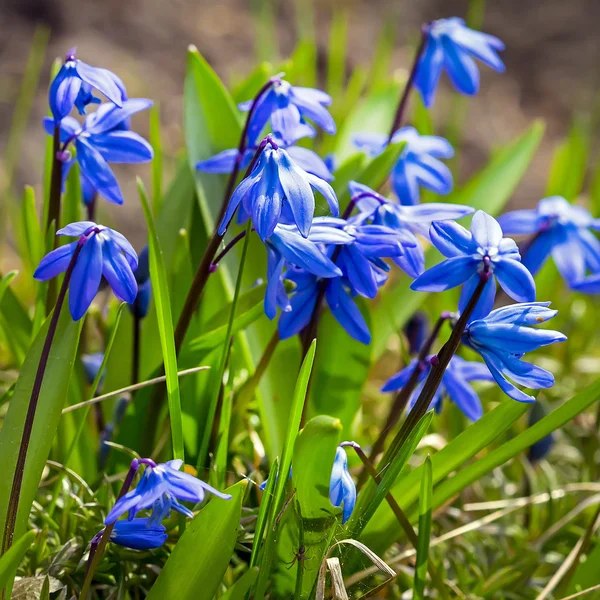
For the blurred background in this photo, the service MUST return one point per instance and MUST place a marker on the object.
(551, 58)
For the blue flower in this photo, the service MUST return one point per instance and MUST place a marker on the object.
(105, 252)
(504, 336)
(451, 45)
(541, 448)
(161, 488)
(287, 107)
(278, 188)
(342, 491)
(560, 230)
(482, 250)
(142, 275)
(91, 366)
(407, 220)
(139, 534)
(101, 140)
(416, 331)
(417, 165)
(287, 248)
(455, 384)
(224, 162)
(73, 86)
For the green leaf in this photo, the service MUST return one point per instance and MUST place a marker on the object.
(249, 87)
(201, 556)
(32, 230)
(239, 589)
(14, 318)
(72, 198)
(382, 528)
(11, 559)
(157, 160)
(425, 512)
(162, 304)
(492, 187)
(51, 400)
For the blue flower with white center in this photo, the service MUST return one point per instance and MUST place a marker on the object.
(224, 162)
(101, 140)
(560, 230)
(287, 107)
(139, 534)
(469, 255)
(287, 248)
(407, 220)
(161, 488)
(278, 188)
(504, 336)
(342, 491)
(142, 275)
(104, 252)
(417, 166)
(73, 86)
(456, 384)
(452, 46)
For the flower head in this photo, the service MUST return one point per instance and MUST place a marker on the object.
(74, 83)
(139, 534)
(470, 254)
(342, 491)
(418, 164)
(142, 275)
(504, 336)
(288, 107)
(452, 46)
(560, 230)
(277, 188)
(100, 140)
(408, 220)
(456, 384)
(103, 252)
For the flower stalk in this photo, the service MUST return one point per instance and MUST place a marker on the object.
(15, 492)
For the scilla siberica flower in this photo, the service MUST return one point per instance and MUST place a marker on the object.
(455, 384)
(142, 275)
(504, 336)
(287, 107)
(408, 220)
(342, 491)
(100, 140)
(417, 165)
(161, 488)
(560, 230)
(104, 253)
(452, 46)
(139, 534)
(74, 83)
(276, 188)
(482, 250)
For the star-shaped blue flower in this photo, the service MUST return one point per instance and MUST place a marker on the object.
(504, 336)
(456, 384)
(561, 230)
(482, 250)
(100, 140)
(342, 490)
(74, 83)
(276, 189)
(287, 107)
(418, 164)
(105, 253)
(161, 488)
(452, 46)
(139, 534)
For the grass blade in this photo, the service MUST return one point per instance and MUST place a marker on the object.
(425, 510)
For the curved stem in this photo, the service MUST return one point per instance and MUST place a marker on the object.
(15, 492)
(409, 84)
(217, 259)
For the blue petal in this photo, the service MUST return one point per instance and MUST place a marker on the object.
(221, 163)
(463, 395)
(537, 252)
(303, 305)
(429, 71)
(462, 69)
(526, 374)
(496, 366)
(123, 243)
(118, 273)
(241, 192)
(310, 161)
(432, 174)
(481, 45)
(486, 301)
(122, 147)
(96, 169)
(102, 80)
(451, 239)
(63, 91)
(588, 285)
(55, 262)
(446, 275)
(528, 313)
(274, 271)
(404, 183)
(138, 534)
(436, 211)
(109, 116)
(519, 222)
(310, 105)
(86, 277)
(591, 249)
(267, 200)
(486, 231)
(359, 272)
(346, 312)
(400, 379)
(76, 229)
(412, 262)
(262, 111)
(326, 191)
(515, 279)
(372, 144)
(511, 339)
(568, 254)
